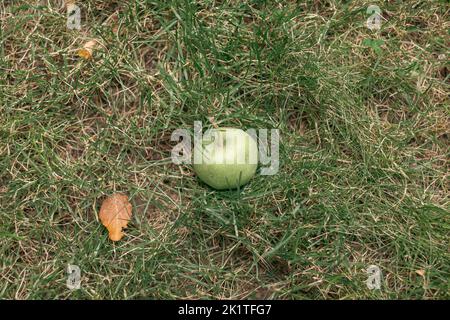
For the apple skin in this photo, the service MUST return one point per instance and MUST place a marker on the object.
(221, 167)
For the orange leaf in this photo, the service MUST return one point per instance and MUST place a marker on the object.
(115, 214)
(87, 50)
(85, 54)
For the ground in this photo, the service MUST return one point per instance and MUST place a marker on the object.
(363, 117)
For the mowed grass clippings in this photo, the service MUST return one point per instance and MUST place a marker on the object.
(363, 117)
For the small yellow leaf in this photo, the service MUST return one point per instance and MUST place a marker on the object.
(85, 54)
(87, 50)
(115, 213)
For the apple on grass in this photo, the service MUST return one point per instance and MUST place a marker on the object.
(226, 158)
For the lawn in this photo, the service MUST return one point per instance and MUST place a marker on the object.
(363, 116)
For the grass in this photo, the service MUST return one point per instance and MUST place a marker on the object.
(363, 118)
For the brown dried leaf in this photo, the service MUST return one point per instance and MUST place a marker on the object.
(115, 214)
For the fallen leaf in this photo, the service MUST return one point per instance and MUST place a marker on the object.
(115, 213)
(420, 272)
(87, 50)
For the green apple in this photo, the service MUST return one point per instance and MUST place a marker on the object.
(226, 158)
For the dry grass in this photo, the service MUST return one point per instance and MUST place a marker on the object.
(364, 154)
